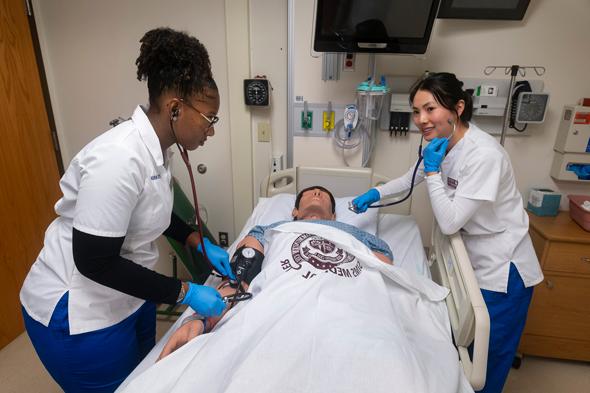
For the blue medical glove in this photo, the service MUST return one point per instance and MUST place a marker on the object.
(581, 170)
(204, 300)
(434, 154)
(218, 257)
(361, 203)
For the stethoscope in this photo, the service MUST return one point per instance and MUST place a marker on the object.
(240, 294)
(187, 163)
(420, 158)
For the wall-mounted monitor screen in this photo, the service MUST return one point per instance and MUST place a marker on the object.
(375, 26)
(483, 9)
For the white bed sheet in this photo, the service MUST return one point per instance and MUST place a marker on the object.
(400, 232)
(403, 236)
(425, 364)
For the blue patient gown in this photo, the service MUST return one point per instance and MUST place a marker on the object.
(371, 241)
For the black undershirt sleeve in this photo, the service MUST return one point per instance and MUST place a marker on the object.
(98, 258)
(178, 229)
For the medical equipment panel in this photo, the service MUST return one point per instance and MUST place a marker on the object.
(488, 107)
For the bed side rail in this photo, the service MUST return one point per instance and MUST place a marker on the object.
(470, 321)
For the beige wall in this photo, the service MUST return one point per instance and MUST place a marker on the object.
(461, 46)
(89, 51)
(268, 48)
(554, 34)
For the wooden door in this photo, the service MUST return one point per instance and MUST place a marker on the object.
(30, 176)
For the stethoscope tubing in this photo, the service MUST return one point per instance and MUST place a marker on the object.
(420, 157)
(187, 163)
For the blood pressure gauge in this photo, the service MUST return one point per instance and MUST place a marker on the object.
(256, 92)
(248, 252)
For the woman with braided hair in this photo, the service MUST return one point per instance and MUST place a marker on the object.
(89, 299)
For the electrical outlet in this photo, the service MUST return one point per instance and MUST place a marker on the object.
(263, 132)
(277, 163)
(348, 64)
(223, 239)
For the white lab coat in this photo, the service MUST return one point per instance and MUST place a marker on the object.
(478, 168)
(118, 185)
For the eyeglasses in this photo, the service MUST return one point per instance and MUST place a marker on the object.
(212, 120)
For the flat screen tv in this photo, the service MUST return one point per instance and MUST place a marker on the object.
(374, 26)
(483, 9)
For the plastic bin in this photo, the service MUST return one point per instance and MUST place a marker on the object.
(580, 215)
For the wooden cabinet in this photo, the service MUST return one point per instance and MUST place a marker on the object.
(558, 323)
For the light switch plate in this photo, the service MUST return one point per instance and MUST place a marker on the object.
(263, 132)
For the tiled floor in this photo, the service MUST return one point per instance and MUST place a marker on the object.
(21, 371)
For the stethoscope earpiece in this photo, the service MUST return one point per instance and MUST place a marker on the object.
(174, 113)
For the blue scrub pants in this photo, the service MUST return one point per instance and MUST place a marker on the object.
(96, 361)
(508, 313)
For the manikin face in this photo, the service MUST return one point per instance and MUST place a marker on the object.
(431, 118)
(314, 204)
(196, 118)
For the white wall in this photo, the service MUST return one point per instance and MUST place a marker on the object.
(554, 34)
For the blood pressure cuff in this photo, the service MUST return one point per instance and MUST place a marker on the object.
(246, 268)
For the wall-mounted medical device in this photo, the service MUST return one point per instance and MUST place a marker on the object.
(531, 107)
(399, 114)
(489, 105)
(377, 26)
(256, 92)
(571, 161)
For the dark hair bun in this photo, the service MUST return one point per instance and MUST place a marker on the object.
(173, 60)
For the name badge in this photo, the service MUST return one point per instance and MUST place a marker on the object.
(453, 183)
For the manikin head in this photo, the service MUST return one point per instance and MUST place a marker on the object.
(314, 203)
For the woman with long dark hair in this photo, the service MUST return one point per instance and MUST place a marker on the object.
(472, 189)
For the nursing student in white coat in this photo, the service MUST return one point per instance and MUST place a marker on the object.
(472, 189)
(89, 298)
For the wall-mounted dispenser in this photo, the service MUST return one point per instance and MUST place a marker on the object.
(571, 161)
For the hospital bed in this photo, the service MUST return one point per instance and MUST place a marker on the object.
(447, 263)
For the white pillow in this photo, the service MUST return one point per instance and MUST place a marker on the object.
(366, 221)
(279, 208)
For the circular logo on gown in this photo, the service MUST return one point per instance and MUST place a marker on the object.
(318, 252)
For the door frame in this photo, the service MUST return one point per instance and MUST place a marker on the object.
(44, 85)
